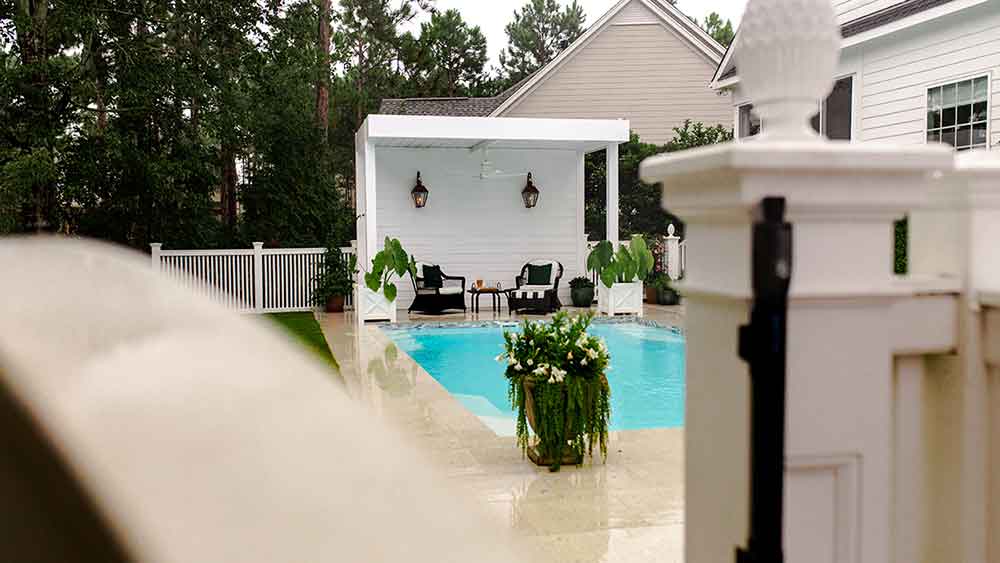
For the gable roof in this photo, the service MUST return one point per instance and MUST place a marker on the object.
(667, 13)
(903, 14)
(495, 106)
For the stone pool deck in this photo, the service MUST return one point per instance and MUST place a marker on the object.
(630, 508)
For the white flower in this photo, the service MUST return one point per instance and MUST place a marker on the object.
(530, 362)
(499, 358)
(518, 367)
(591, 353)
(569, 355)
(551, 380)
(583, 362)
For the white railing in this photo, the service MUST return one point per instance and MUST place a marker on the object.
(255, 280)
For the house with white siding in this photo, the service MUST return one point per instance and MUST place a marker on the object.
(643, 61)
(911, 72)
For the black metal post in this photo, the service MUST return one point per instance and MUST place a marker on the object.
(762, 345)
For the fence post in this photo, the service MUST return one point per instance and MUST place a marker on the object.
(673, 247)
(154, 254)
(258, 276)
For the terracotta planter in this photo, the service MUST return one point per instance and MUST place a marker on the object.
(335, 304)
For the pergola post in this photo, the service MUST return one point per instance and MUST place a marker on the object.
(612, 194)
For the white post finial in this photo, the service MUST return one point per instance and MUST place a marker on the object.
(670, 230)
(787, 53)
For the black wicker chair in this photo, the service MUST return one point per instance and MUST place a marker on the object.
(436, 300)
(537, 298)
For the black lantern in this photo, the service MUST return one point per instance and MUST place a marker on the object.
(419, 193)
(529, 194)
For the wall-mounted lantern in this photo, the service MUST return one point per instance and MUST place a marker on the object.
(529, 194)
(419, 193)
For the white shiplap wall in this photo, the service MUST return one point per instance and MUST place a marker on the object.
(480, 229)
(896, 71)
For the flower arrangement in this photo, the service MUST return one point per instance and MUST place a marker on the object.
(558, 385)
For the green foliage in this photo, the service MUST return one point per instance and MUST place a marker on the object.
(900, 246)
(447, 59)
(337, 276)
(720, 30)
(540, 30)
(641, 211)
(561, 371)
(580, 282)
(630, 263)
(391, 260)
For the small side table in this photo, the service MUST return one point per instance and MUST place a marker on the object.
(494, 294)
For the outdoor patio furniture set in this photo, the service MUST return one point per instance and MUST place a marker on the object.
(536, 290)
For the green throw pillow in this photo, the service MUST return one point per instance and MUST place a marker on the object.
(539, 275)
(432, 276)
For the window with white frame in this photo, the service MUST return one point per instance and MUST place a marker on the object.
(835, 118)
(749, 125)
(957, 113)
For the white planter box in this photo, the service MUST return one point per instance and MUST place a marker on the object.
(375, 307)
(620, 298)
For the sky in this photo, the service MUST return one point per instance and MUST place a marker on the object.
(492, 15)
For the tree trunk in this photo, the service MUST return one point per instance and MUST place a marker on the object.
(227, 192)
(323, 81)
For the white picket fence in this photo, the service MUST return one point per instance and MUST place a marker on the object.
(258, 280)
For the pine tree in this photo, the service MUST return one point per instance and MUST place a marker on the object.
(538, 33)
(447, 59)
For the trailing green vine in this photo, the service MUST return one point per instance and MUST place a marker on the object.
(558, 372)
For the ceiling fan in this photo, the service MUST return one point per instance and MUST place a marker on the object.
(489, 171)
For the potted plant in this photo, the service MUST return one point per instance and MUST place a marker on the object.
(558, 385)
(581, 291)
(621, 274)
(665, 294)
(335, 281)
(379, 297)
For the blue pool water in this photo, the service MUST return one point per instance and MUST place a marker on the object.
(646, 377)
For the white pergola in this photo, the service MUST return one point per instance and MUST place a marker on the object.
(382, 138)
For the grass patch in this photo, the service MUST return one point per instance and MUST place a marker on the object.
(304, 328)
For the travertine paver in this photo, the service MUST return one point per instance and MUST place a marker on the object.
(630, 508)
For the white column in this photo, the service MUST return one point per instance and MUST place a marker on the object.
(154, 254)
(581, 202)
(673, 248)
(371, 230)
(258, 276)
(911, 535)
(612, 195)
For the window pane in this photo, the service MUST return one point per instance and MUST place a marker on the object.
(749, 122)
(837, 116)
(979, 134)
(964, 113)
(964, 137)
(979, 111)
(934, 98)
(948, 117)
(965, 92)
(948, 136)
(933, 119)
(948, 95)
(933, 136)
(980, 89)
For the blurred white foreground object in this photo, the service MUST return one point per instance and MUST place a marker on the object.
(198, 434)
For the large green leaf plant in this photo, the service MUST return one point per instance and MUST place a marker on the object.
(391, 260)
(629, 264)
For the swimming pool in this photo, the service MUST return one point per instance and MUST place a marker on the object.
(646, 377)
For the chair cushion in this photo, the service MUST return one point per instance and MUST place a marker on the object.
(450, 290)
(432, 276)
(539, 275)
(540, 288)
